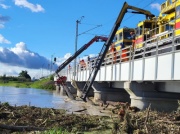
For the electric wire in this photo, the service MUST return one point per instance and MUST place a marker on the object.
(106, 34)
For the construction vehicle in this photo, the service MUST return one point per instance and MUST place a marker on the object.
(159, 31)
(169, 19)
(121, 40)
(144, 32)
(156, 29)
(84, 47)
(106, 46)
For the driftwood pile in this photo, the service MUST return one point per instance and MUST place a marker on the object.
(130, 120)
(30, 118)
(123, 119)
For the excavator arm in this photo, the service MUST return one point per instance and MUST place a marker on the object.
(106, 46)
(84, 47)
(147, 13)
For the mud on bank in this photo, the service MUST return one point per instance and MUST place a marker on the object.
(23, 119)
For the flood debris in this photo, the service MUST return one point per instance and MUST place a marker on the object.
(120, 119)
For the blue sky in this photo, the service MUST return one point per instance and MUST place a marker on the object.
(32, 32)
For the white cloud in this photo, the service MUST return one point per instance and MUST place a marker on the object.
(66, 56)
(60, 60)
(15, 70)
(156, 6)
(32, 7)
(20, 48)
(22, 57)
(4, 6)
(4, 40)
(18, 58)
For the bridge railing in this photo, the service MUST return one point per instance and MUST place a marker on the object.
(126, 63)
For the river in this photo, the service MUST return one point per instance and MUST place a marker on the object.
(30, 96)
(44, 99)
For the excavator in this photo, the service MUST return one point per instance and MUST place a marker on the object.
(126, 8)
(62, 79)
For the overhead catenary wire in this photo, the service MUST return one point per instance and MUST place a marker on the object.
(124, 21)
(99, 32)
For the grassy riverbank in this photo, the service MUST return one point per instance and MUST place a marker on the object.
(46, 83)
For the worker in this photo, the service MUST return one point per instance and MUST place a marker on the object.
(113, 52)
(133, 38)
(124, 53)
(82, 64)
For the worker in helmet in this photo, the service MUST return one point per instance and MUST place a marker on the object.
(133, 38)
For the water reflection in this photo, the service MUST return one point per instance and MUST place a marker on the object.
(30, 96)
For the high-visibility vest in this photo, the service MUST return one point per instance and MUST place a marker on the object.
(113, 51)
(124, 55)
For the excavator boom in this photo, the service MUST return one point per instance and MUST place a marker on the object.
(84, 47)
(106, 46)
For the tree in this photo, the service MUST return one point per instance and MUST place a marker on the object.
(4, 78)
(24, 74)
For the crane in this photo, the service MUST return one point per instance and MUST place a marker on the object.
(106, 46)
(84, 47)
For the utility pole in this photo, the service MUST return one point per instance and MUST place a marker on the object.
(76, 40)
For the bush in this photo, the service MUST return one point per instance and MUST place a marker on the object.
(51, 77)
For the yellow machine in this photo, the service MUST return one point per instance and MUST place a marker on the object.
(123, 38)
(145, 31)
(168, 20)
(169, 17)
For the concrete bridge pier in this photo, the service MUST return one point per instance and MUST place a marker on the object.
(79, 87)
(146, 93)
(60, 90)
(71, 88)
(105, 92)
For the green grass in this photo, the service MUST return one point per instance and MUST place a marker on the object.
(45, 83)
(16, 84)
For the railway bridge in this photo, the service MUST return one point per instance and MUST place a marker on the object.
(147, 75)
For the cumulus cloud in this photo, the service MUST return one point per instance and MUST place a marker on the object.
(4, 40)
(32, 7)
(4, 6)
(66, 56)
(60, 60)
(156, 6)
(22, 57)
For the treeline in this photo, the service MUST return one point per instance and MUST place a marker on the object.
(13, 78)
(23, 76)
